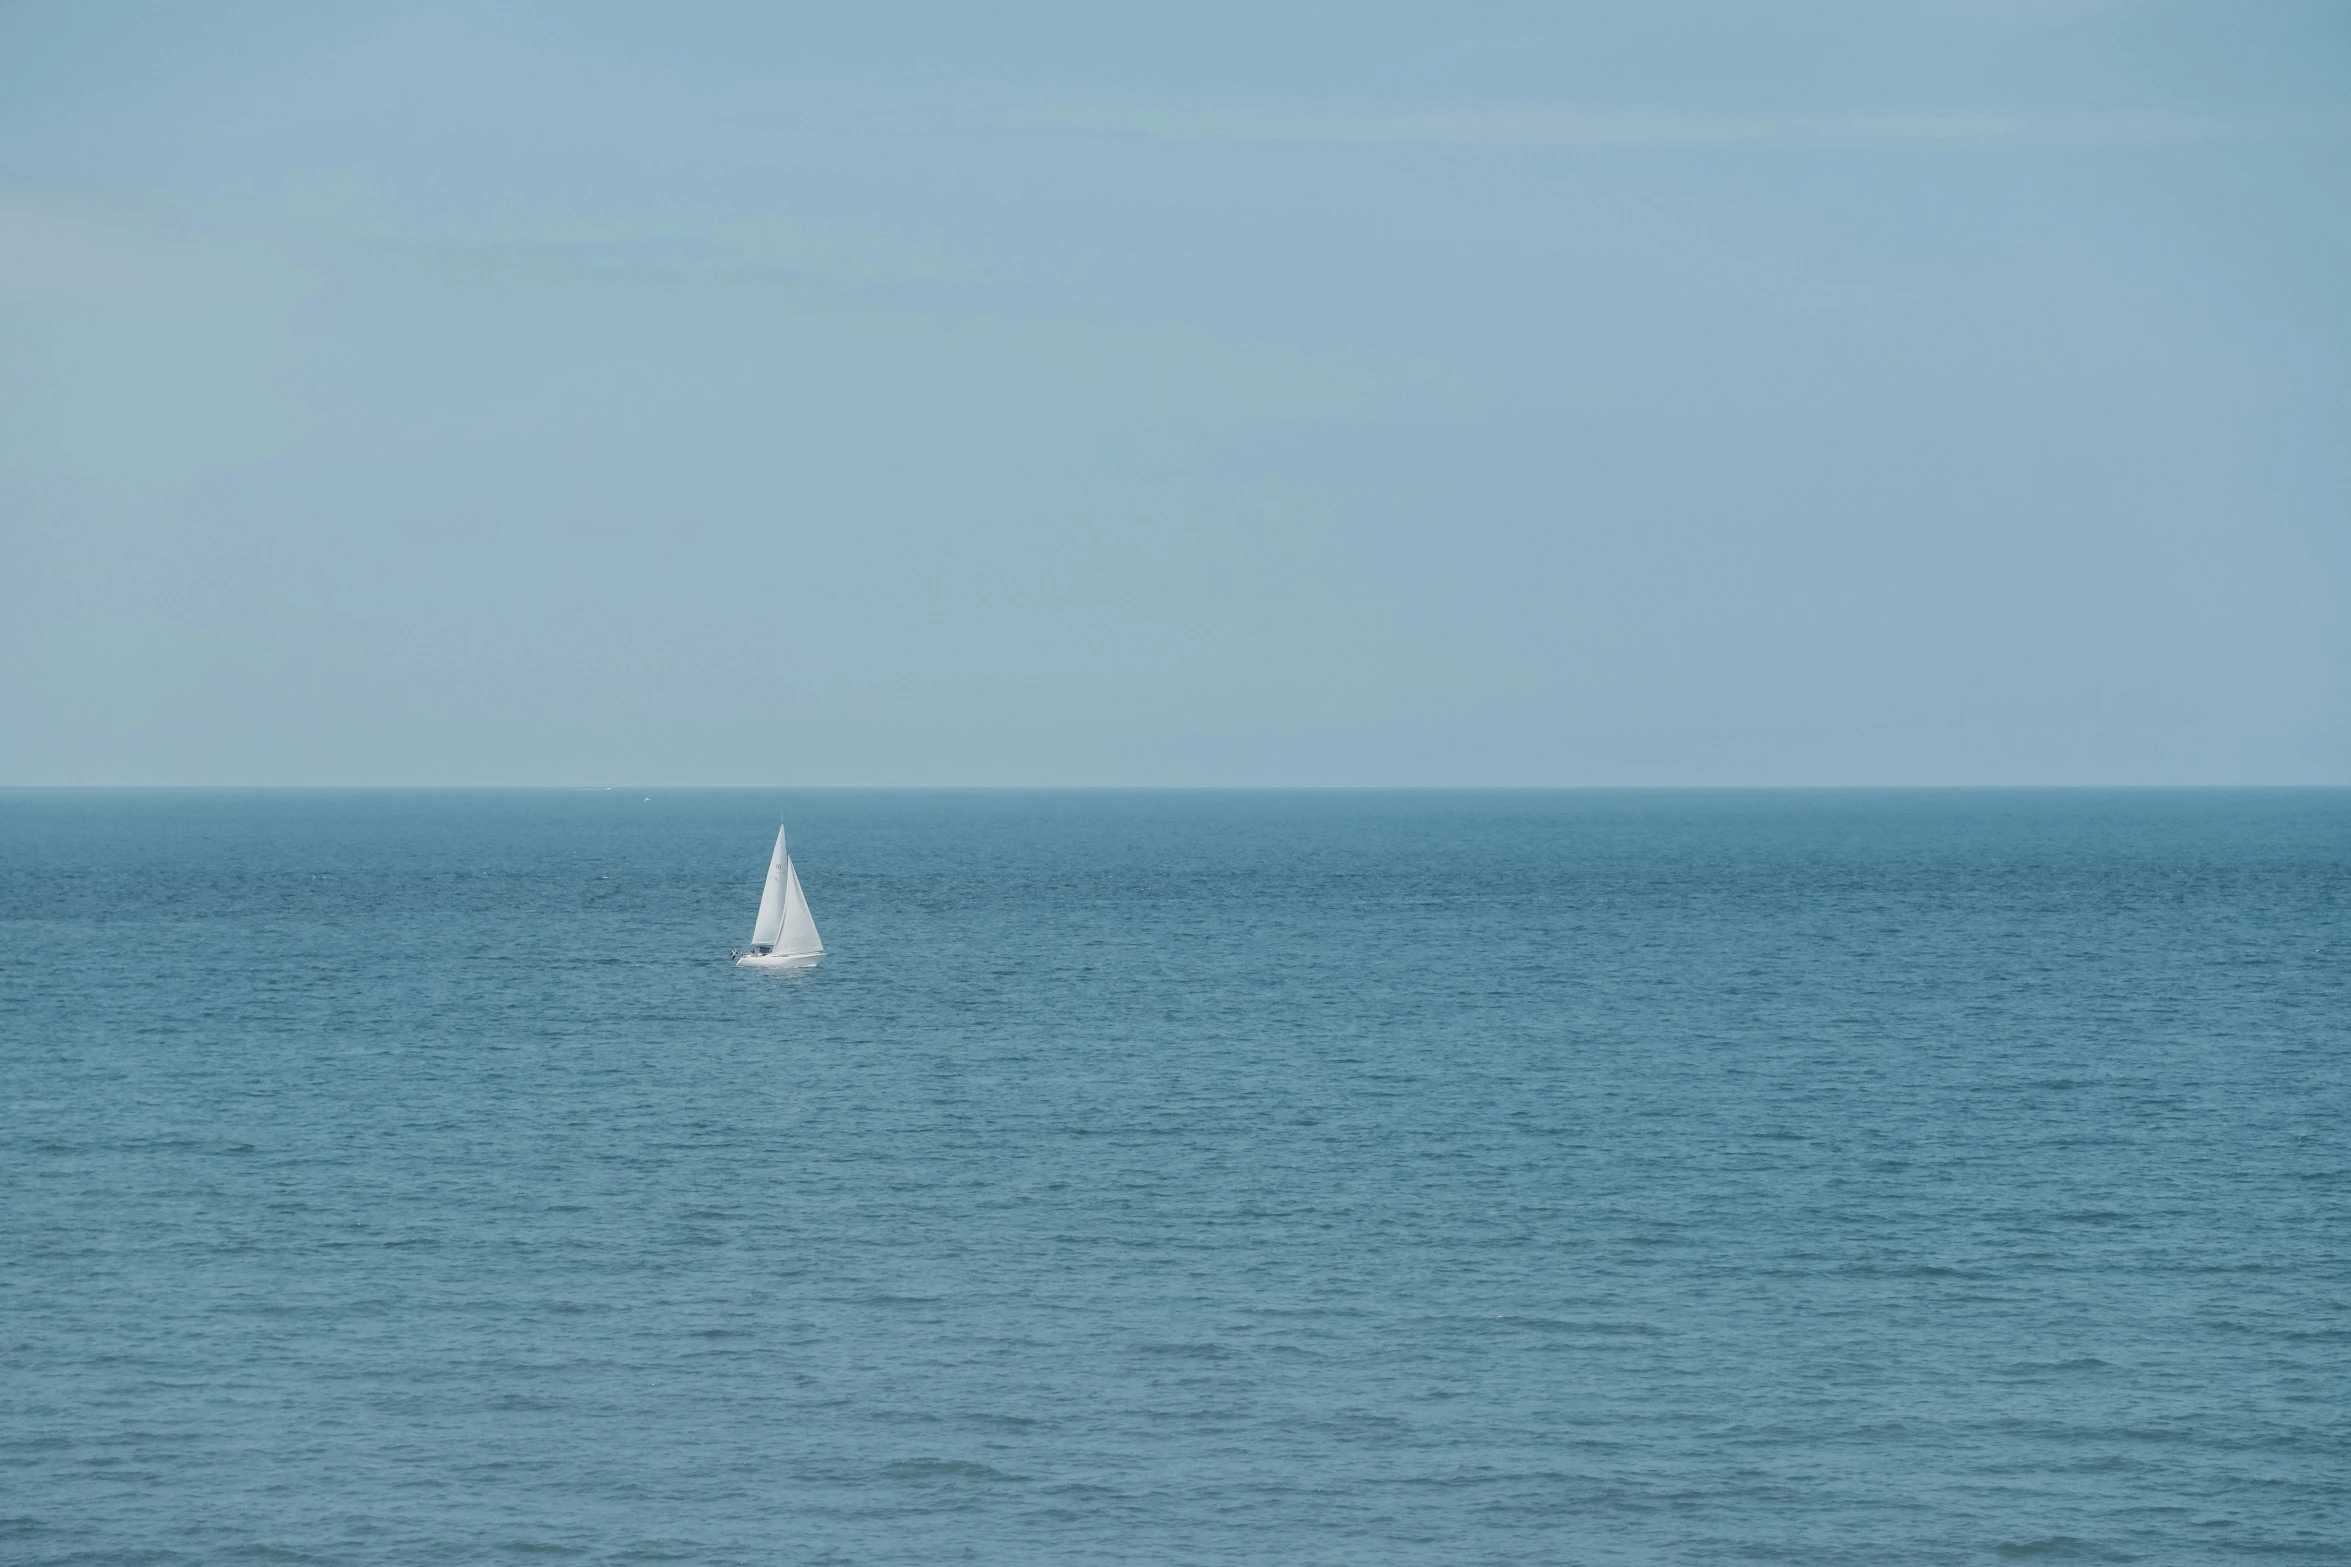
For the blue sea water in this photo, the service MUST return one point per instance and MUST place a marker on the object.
(1177, 1177)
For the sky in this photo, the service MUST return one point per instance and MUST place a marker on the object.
(1837, 392)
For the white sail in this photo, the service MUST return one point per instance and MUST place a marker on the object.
(784, 935)
(770, 923)
(798, 937)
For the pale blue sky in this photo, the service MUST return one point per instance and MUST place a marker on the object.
(1952, 391)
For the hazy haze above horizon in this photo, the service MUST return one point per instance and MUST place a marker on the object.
(1888, 393)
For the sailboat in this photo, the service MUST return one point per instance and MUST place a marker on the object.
(784, 936)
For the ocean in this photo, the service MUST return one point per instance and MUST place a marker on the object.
(1300, 1177)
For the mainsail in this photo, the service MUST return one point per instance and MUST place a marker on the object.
(770, 923)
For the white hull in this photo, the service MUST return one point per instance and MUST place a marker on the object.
(778, 960)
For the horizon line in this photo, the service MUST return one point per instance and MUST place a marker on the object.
(1180, 788)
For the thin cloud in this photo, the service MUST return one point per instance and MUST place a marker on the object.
(1632, 128)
